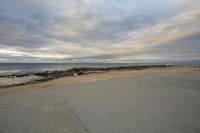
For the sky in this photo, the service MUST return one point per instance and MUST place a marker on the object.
(78, 31)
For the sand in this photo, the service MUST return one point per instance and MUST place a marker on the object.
(148, 101)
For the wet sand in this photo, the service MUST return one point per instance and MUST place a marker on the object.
(147, 101)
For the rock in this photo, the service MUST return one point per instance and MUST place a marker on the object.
(75, 74)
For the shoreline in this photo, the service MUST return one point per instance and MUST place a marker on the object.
(80, 71)
(50, 75)
(87, 75)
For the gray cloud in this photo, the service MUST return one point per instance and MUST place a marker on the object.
(98, 30)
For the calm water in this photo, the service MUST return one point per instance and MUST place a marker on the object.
(9, 68)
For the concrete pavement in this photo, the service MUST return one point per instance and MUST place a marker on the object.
(150, 103)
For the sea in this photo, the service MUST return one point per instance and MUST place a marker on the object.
(23, 68)
(10, 68)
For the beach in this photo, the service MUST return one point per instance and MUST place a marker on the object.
(150, 100)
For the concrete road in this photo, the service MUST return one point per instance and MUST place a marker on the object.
(151, 103)
(37, 111)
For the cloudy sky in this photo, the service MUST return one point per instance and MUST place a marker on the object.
(99, 30)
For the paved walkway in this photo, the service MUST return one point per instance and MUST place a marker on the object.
(152, 103)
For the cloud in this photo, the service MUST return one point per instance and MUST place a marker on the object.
(99, 30)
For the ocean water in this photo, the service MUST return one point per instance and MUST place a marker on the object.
(17, 68)
(23, 68)
(10, 68)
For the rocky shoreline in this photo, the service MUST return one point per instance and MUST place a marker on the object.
(50, 75)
